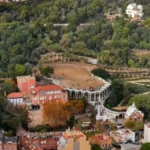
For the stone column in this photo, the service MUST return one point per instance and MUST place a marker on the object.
(89, 97)
(94, 97)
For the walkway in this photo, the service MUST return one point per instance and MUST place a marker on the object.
(21, 130)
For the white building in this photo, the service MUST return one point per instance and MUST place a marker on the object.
(135, 11)
(16, 98)
(132, 110)
(147, 132)
(122, 135)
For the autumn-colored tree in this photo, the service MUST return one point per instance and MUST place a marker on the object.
(74, 106)
(55, 113)
(58, 113)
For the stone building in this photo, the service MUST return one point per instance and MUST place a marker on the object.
(133, 114)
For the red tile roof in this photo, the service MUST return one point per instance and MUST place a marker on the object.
(48, 88)
(15, 95)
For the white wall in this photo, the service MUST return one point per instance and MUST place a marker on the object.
(16, 101)
(146, 133)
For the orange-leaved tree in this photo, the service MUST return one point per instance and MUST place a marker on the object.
(55, 114)
(74, 106)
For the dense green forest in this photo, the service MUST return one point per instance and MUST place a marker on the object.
(27, 30)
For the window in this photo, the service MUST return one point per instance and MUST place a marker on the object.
(43, 98)
(50, 98)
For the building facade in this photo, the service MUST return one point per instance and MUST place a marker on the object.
(30, 94)
(147, 132)
(133, 114)
(122, 135)
(135, 11)
(26, 83)
(39, 141)
(44, 94)
(73, 140)
(7, 143)
(16, 98)
(104, 141)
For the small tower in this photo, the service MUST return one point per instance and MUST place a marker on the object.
(99, 116)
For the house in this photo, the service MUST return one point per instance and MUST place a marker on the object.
(73, 140)
(122, 135)
(7, 143)
(16, 98)
(133, 114)
(26, 83)
(135, 11)
(43, 94)
(39, 141)
(104, 141)
(147, 132)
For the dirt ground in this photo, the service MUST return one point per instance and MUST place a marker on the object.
(75, 77)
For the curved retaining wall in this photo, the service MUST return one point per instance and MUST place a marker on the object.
(92, 96)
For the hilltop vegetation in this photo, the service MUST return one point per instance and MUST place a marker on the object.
(27, 31)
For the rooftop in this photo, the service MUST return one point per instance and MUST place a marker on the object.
(15, 95)
(48, 88)
(73, 134)
(25, 78)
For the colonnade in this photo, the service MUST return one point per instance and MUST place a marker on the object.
(91, 96)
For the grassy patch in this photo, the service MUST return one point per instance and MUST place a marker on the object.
(137, 89)
(145, 83)
(95, 147)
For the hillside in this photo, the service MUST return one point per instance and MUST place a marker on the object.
(27, 30)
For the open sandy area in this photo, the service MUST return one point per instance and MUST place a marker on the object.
(77, 77)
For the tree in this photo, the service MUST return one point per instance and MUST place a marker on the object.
(74, 106)
(131, 63)
(142, 102)
(19, 69)
(80, 45)
(55, 114)
(145, 146)
(147, 22)
(130, 124)
(15, 116)
(101, 73)
(46, 71)
(9, 86)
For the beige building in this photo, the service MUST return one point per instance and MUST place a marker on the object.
(73, 140)
(104, 141)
